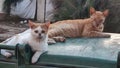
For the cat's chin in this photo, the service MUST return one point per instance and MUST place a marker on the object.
(40, 37)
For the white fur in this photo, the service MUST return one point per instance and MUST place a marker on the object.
(39, 46)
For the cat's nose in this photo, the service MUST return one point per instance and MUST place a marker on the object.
(39, 34)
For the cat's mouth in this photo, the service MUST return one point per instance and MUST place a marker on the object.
(40, 37)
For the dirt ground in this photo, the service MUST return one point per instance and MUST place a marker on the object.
(10, 28)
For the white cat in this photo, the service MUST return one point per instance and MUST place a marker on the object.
(36, 37)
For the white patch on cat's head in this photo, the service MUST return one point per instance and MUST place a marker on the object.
(39, 30)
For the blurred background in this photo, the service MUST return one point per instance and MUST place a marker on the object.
(15, 13)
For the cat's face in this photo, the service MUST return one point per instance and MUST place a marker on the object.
(98, 16)
(39, 30)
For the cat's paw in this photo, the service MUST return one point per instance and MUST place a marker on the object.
(107, 36)
(34, 60)
(7, 54)
(62, 39)
(51, 41)
(59, 39)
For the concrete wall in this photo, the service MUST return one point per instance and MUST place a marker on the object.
(1, 5)
(41, 10)
(49, 10)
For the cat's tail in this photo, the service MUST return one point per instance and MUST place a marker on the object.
(7, 40)
(15, 36)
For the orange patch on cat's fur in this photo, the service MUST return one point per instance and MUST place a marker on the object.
(34, 25)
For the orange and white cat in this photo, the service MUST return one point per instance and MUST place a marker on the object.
(90, 27)
(36, 37)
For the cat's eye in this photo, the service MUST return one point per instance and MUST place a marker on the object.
(43, 31)
(36, 31)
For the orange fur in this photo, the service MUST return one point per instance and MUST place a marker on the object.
(44, 26)
(90, 27)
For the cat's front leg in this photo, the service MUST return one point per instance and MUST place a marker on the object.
(36, 56)
(96, 34)
(6, 53)
(51, 41)
(56, 39)
(59, 39)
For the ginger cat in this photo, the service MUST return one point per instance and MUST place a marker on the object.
(36, 37)
(90, 27)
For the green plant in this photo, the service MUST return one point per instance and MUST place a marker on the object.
(7, 5)
(75, 9)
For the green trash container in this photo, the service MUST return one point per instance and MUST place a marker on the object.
(74, 53)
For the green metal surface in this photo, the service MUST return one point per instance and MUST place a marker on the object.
(99, 48)
(7, 65)
(78, 62)
(84, 52)
(74, 53)
(9, 47)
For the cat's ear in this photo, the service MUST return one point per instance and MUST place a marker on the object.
(106, 12)
(47, 24)
(31, 24)
(92, 10)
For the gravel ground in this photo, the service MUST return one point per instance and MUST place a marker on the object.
(10, 28)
